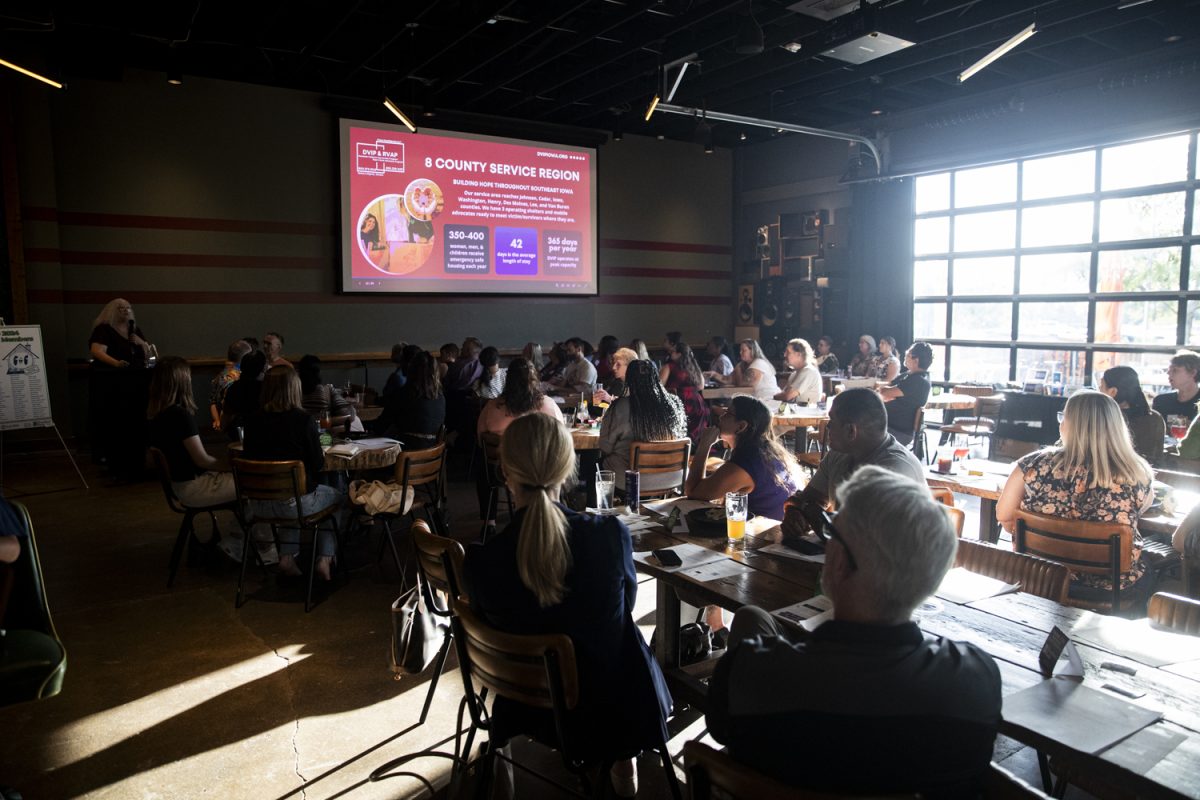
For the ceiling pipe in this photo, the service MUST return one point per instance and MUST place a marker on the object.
(668, 108)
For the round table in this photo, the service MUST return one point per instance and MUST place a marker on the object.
(585, 438)
(949, 400)
(367, 458)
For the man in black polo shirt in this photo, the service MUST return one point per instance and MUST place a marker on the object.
(867, 702)
(1182, 374)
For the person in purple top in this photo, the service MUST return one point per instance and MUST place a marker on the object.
(758, 466)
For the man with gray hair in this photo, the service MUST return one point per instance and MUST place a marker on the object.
(867, 702)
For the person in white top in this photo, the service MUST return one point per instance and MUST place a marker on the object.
(804, 384)
(753, 371)
(718, 351)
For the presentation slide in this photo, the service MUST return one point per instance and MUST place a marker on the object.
(438, 212)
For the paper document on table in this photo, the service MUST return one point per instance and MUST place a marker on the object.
(663, 507)
(1135, 639)
(344, 450)
(1075, 715)
(808, 614)
(690, 554)
(376, 443)
(778, 549)
(963, 586)
(716, 570)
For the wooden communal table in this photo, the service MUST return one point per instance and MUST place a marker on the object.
(585, 438)
(795, 416)
(949, 400)
(1159, 761)
(986, 486)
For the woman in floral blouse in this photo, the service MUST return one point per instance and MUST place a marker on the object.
(1095, 475)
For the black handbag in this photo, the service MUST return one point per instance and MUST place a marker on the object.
(417, 633)
(695, 640)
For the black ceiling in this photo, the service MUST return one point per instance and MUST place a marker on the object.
(594, 63)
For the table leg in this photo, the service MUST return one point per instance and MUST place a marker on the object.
(667, 617)
(989, 528)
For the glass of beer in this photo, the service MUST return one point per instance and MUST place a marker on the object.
(736, 506)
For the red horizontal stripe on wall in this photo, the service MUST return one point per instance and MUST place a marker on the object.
(668, 247)
(651, 272)
(95, 219)
(103, 258)
(99, 298)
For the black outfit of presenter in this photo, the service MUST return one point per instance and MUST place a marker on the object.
(117, 401)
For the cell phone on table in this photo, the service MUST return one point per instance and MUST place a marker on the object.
(667, 557)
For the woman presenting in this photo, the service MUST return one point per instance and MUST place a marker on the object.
(118, 390)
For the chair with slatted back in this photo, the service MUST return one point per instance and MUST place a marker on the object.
(278, 482)
(419, 474)
(942, 495)
(661, 466)
(1094, 548)
(1036, 576)
(536, 671)
(712, 773)
(982, 422)
(432, 554)
(815, 445)
(1173, 611)
(187, 526)
(918, 441)
(489, 443)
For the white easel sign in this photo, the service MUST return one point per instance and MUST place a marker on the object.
(24, 392)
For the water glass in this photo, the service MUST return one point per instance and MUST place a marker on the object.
(736, 506)
(605, 485)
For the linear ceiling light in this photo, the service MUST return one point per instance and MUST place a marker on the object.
(400, 115)
(999, 51)
(33, 75)
(653, 105)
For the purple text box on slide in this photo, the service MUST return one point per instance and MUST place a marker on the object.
(561, 250)
(516, 251)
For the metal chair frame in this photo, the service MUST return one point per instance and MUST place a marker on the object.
(187, 526)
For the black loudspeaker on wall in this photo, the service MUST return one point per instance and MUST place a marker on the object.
(770, 302)
(745, 309)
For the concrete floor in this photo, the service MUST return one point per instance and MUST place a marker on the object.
(172, 693)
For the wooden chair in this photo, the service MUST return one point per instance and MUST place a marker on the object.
(433, 552)
(981, 424)
(918, 441)
(490, 444)
(1094, 548)
(658, 464)
(187, 526)
(712, 773)
(537, 671)
(942, 495)
(1036, 576)
(278, 482)
(33, 660)
(818, 435)
(1172, 611)
(420, 474)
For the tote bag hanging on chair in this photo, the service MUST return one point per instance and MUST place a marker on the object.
(417, 633)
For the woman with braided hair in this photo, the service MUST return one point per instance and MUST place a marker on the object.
(647, 413)
(524, 580)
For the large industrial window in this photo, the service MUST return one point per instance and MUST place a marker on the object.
(1060, 266)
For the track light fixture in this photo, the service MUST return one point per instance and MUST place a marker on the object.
(31, 74)
(400, 115)
(998, 52)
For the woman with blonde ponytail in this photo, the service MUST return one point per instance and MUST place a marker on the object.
(555, 571)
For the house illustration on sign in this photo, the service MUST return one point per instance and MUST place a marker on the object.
(21, 360)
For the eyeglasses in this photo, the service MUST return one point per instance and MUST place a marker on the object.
(827, 531)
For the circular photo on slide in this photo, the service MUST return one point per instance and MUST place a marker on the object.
(391, 240)
(424, 200)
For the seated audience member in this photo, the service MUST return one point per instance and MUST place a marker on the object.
(197, 478)
(804, 384)
(241, 398)
(758, 465)
(401, 354)
(283, 430)
(1146, 425)
(887, 366)
(895, 710)
(465, 369)
(858, 436)
(552, 570)
(556, 362)
(273, 347)
(532, 352)
(683, 377)
(647, 413)
(826, 361)
(863, 363)
(614, 387)
(1181, 374)
(319, 398)
(908, 393)
(491, 378)
(578, 375)
(447, 355)
(521, 395)
(12, 531)
(253, 342)
(224, 379)
(752, 371)
(416, 413)
(1094, 475)
(670, 339)
(719, 356)
(603, 358)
